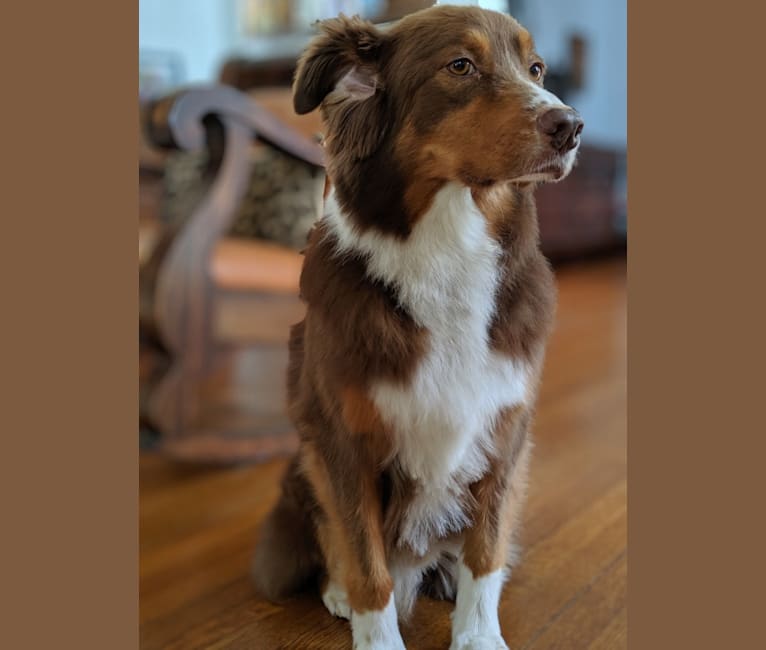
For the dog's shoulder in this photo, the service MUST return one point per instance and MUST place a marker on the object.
(364, 331)
(525, 307)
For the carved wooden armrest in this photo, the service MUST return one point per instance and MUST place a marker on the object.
(176, 282)
(177, 121)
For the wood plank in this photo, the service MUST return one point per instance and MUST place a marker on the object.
(615, 635)
(589, 616)
(198, 525)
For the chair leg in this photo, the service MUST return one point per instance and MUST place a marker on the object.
(174, 402)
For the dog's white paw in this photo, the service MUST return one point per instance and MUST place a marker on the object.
(377, 639)
(469, 641)
(377, 629)
(335, 600)
(394, 644)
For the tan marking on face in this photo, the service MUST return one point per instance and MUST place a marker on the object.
(465, 150)
(460, 150)
(478, 41)
(525, 40)
(497, 204)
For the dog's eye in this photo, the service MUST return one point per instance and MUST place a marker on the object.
(461, 67)
(536, 70)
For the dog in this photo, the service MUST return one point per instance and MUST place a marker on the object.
(413, 377)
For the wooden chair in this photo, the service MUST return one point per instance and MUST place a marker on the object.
(203, 295)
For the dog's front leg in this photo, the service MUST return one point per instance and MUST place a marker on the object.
(349, 496)
(483, 565)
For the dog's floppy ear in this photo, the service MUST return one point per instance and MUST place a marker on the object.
(341, 72)
(342, 60)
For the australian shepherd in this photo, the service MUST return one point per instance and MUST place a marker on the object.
(413, 377)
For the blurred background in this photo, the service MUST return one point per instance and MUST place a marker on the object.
(223, 216)
(191, 41)
(248, 267)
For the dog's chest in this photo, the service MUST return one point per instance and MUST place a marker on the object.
(443, 417)
(446, 275)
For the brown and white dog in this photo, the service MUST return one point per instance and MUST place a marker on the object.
(414, 374)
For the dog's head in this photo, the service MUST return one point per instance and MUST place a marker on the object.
(448, 94)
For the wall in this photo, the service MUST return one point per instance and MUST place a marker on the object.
(197, 30)
(201, 31)
(603, 101)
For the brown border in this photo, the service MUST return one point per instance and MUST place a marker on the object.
(695, 198)
(70, 348)
(69, 541)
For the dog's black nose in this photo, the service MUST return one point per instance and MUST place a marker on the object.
(563, 125)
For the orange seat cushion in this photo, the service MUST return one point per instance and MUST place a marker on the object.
(252, 265)
(241, 264)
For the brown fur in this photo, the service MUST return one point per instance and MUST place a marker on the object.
(287, 556)
(373, 163)
(388, 155)
(351, 529)
(360, 415)
(499, 496)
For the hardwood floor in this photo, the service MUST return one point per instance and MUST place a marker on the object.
(198, 525)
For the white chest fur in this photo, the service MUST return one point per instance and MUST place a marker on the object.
(446, 276)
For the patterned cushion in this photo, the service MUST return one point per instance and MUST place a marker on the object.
(282, 202)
